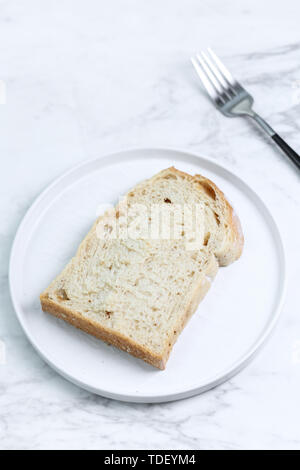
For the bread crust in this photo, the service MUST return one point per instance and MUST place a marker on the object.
(118, 340)
(108, 336)
(233, 249)
(229, 252)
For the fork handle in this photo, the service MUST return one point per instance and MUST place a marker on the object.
(287, 150)
(294, 156)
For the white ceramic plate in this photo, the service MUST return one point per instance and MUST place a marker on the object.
(231, 323)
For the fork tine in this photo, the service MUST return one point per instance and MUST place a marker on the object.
(225, 72)
(227, 88)
(211, 76)
(211, 90)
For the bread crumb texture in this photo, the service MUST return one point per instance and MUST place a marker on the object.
(135, 281)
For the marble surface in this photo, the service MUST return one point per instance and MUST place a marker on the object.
(86, 78)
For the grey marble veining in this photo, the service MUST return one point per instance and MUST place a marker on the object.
(86, 78)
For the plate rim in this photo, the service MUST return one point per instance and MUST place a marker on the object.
(222, 376)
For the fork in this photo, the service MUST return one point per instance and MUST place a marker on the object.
(231, 98)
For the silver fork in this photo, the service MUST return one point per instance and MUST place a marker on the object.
(231, 98)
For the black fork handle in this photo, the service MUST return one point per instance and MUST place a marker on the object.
(289, 152)
(287, 149)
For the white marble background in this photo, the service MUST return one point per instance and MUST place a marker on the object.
(86, 77)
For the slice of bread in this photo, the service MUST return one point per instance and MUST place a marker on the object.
(135, 279)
